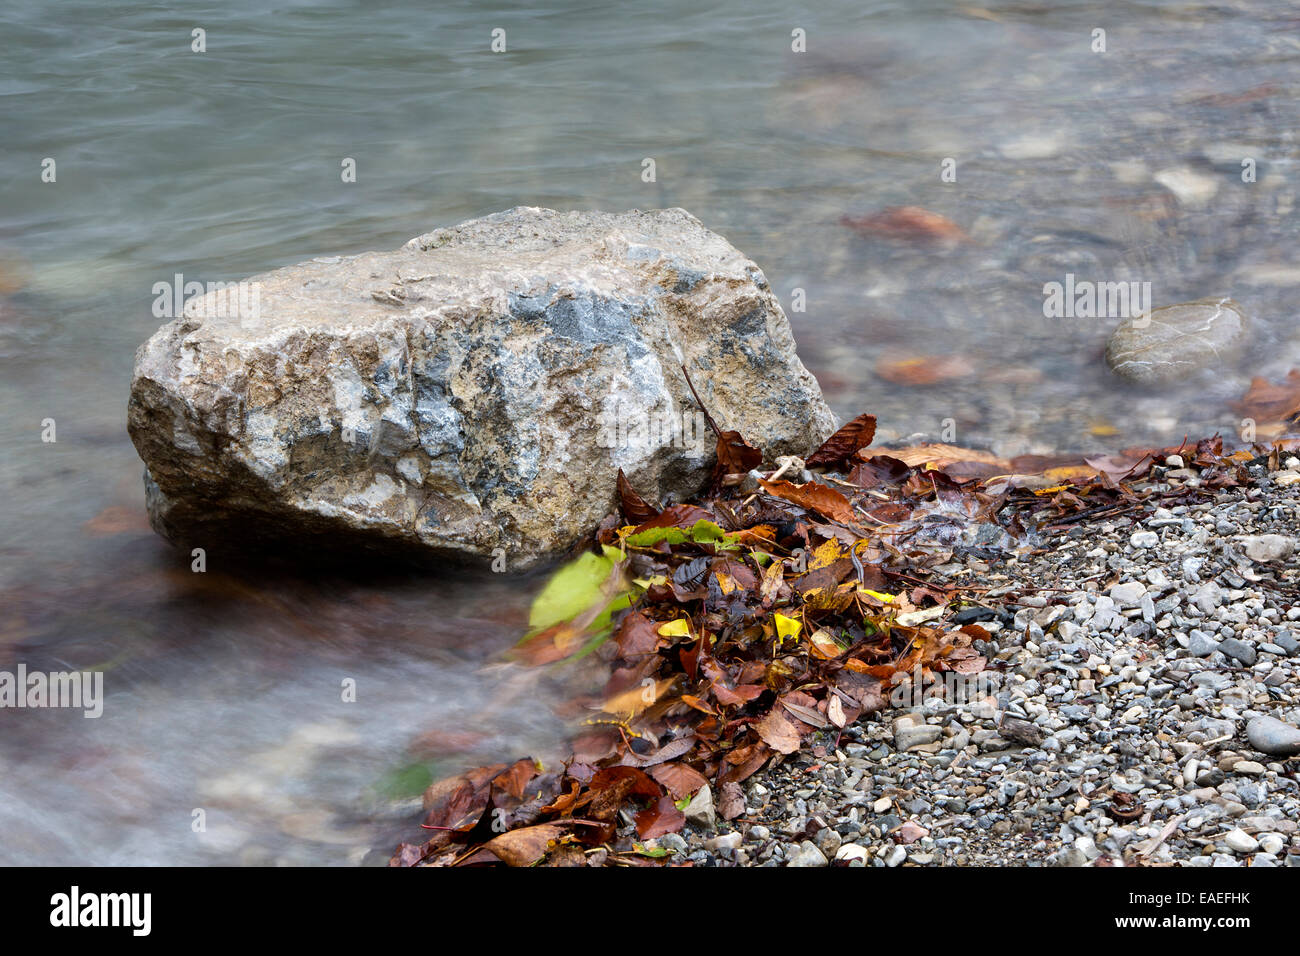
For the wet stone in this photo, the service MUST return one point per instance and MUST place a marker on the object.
(1175, 340)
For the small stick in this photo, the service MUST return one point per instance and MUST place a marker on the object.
(707, 417)
(785, 466)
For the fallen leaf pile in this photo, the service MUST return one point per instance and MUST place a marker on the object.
(763, 619)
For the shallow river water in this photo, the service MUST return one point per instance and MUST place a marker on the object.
(224, 691)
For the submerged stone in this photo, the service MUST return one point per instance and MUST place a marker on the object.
(1176, 340)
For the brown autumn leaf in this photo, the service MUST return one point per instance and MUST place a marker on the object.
(924, 369)
(1267, 402)
(1120, 466)
(778, 732)
(844, 443)
(675, 516)
(939, 455)
(878, 470)
(525, 846)
(639, 784)
(458, 803)
(737, 695)
(731, 801)
(748, 761)
(801, 710)
(635, 508)
(514, 780)
(116, 519)
(823, 499)
(669, 751)
(906, 223)
(659, 818)
(679, 779)
(735, 456)
(637, 636)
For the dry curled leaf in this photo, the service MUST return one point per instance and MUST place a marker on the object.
(635, 508)
(824, 500)
(841, 446)
(777, 732)
(525, 846)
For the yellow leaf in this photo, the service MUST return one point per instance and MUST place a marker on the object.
(787, 627)
(826, 554)
(1068, 473)
(1050, 491)
(678, 628)
(886, 598)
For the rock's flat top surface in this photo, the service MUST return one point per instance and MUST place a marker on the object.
(477, 389)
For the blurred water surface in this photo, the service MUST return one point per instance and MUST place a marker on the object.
(224, 689)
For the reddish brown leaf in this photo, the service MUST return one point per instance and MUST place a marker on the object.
(515, 779)
(635, 508)
(679, 779)
(565, 801)
(660, 818)
(924, 369)
(735, 696)
(777, 732)
(637, 636)
(731, 801)
(458, 803)
(748, 761)
(525, 846)
(676, 516)
(1267, 402)
(824, 500)
(877, 470)
(844, 443)
(641, 785)
(735, 456)
(906, 222)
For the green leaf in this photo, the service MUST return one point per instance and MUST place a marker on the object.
(571, 590)
(403, 782)
(657, 853)
(703, 531)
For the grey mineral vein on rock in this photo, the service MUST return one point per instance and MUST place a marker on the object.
(1176, 340)
(477, 389)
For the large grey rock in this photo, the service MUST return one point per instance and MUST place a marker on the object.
(477, 389)
(1176, 340)
(1268, 547)
(1272, 736)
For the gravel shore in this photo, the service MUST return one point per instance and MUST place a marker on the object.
(1140, 708)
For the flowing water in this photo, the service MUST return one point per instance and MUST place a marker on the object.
(225, 690)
